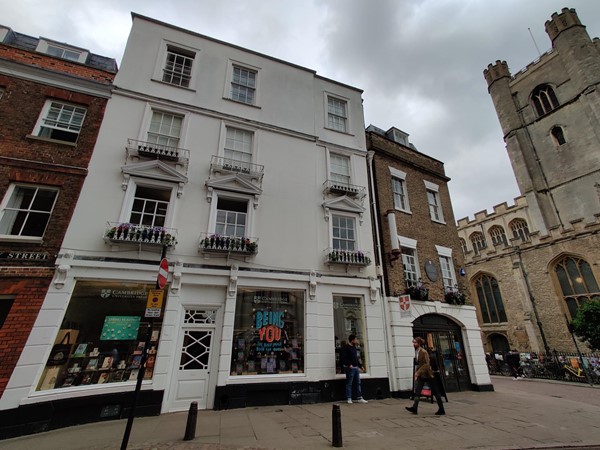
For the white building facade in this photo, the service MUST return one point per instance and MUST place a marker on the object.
(251, 173)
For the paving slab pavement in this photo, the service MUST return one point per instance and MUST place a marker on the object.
(518, 415)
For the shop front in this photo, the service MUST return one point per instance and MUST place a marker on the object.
(444, 340)
(102, 337)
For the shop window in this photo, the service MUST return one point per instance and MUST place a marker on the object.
(348, 318)
(268, 336)
(102, 337)
(577, 282)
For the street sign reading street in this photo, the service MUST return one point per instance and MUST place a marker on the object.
(163, 273)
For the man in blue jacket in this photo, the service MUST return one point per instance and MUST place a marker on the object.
(352, 367)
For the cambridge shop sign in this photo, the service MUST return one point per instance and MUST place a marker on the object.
(24, 256)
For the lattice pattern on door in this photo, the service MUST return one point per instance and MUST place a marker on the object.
(195, 353)
(200, 316)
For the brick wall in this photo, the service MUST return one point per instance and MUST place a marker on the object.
(28, 286)
(54, 64)
(417, 225)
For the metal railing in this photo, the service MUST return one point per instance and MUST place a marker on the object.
(210, 242)
(555, 366)
(352, 257)
(219, 163)
(140, 234)
(158, 151)
(336, 187)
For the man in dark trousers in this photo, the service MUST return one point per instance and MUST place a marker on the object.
(352, 367)
(424, 374)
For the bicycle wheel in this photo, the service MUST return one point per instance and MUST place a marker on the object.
(505, 370)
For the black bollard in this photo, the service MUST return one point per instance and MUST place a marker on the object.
(336, 425)
(190, 427)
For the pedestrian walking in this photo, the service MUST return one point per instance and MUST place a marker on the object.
(352, 366)
(514, 362)
(423, 375)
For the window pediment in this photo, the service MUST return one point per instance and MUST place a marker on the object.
(345, 204)
(233, 183)
(156, 170)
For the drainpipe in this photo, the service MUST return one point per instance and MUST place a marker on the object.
(387, 328)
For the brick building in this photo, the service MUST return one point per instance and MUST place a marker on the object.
(52, 99)
(533, 263)
(419, 254)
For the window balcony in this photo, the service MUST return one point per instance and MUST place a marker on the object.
(157, 151)
(351, 190)
(220, 164)
(216, 243)
(347, 257)
(128, 233)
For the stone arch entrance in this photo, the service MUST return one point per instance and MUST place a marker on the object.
(444, 339)
(499, 343)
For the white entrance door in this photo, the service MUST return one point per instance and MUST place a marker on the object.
(192, 374)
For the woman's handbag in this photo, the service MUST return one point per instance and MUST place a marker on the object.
(60, 352)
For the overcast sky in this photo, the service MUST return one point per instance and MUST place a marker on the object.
(419, 62)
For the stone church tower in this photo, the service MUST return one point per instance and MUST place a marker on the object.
(550, 116)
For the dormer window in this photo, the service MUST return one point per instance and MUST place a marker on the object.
(62, 51)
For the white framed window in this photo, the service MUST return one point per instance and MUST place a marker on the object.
(165, 128)
(337, 114)
(63, 51)
(343, 232)
(149, 203)
(410, 260)
(339, 168)
(239, 144)
(178, 66)
(243, 84)
(433, 199)
(231, 215)
(399, 190)
(447, 266)
(26, 210)
(60, 121)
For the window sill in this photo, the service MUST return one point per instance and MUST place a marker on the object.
(339, 131)
(441, 222)
(405, 211)
(54, 141)
(173, 85)
(242, 103)
(25, 239)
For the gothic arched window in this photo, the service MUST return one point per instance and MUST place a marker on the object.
(463, 246)
(577, 282)
(478, 241)
(519, 229)
(544, 100)
(490, 300)
(498, 235)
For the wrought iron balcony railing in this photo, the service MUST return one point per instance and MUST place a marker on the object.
(220, 164)
(351, 190)
(217, 243)
(352, 257)
(158, 151)
(129, 233)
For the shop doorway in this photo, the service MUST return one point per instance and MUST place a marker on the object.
(191, 380)
(444, 339)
